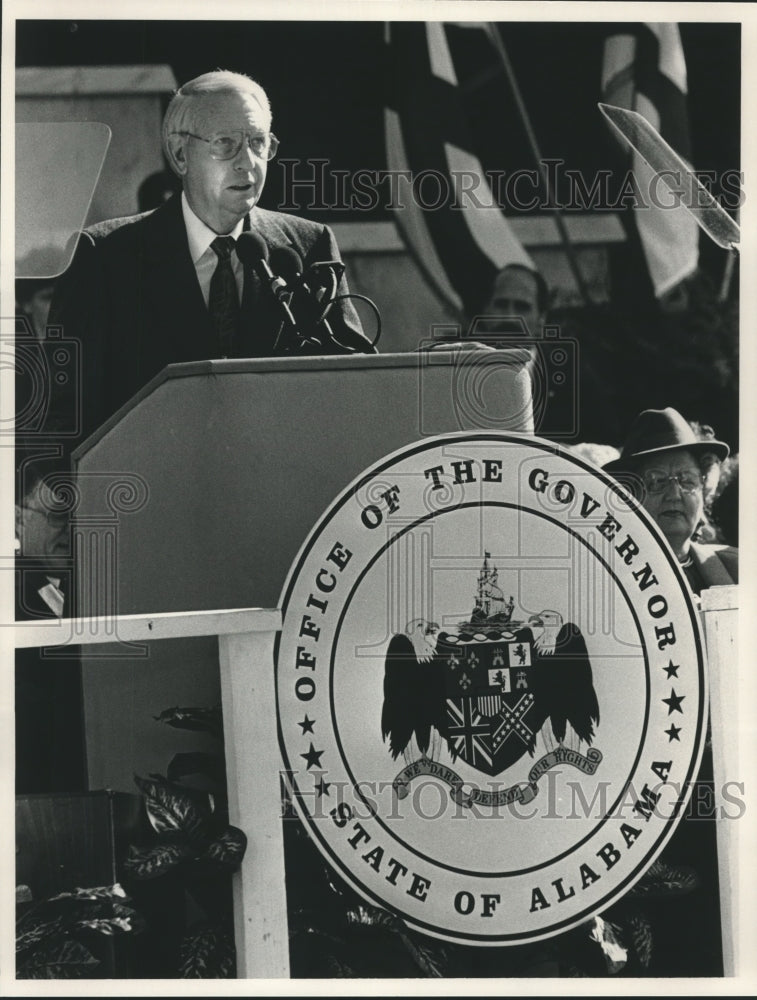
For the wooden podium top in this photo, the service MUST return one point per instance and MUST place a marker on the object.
(464, 361)
(209, 480)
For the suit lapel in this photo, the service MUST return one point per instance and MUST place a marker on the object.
(177, 302)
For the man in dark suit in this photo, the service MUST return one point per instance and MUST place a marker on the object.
(513, 314)
(42, 545)
(158, 288)
(49, 734)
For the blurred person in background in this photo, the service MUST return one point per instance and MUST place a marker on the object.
(514, 316)
(33, 298)
(517, 293)
(42, 544)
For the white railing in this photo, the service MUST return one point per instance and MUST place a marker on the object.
(720, 614)
(245, 651)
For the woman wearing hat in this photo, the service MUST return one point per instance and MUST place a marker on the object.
(674, 473)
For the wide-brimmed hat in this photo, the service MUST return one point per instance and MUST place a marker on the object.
(654, 432)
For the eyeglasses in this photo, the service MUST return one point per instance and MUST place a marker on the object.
(656, 481)
(226, 145)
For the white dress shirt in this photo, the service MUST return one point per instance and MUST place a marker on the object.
(52, 595)
(203, 255)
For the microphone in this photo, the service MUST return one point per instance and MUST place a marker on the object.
(313, 295)
(329, 285)
(310, 305)
(287, 261)
(304, 301)
(253, 252)
(322, 279)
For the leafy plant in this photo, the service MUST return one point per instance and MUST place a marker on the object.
(662, 879)
(189, 831)
(52, 936)
(621, 941)
(207, 952)
(334, 933)
(209, 720)
(184, 765)
(195, 846)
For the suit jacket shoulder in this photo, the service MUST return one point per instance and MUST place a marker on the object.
(717, 564)
(125, 234)
(131, 300)
(101, 230)
(164, 226)
(268, 221)
(312, 240)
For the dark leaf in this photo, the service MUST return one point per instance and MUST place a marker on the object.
(334, 884)
(30, 932)
(662, 879)
(203, 799)
(151, 862)
(58, 959)
(371, 916)
(209, 720)
(207, 953)
(137, 921)
(310, 956)
(639, 931)
(95, 892)
(606, 936)
(172, 809)
(57, 914)
(106, 925)
(430, 959)
(228, 849)
(338, 969)
(210, 764)
(308, 924)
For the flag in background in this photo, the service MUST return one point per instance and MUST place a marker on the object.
(646, 72)
(460, 241)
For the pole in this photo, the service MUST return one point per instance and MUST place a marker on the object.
(499, 46)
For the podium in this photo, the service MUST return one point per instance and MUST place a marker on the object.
(198, 494)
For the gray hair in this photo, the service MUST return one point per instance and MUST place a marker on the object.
(709, 463)
(178, 116)
(709, 466)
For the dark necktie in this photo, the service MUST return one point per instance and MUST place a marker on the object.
(223, 300)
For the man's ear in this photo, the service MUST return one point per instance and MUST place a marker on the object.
(177, 153)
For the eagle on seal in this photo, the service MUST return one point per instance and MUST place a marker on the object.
(563, 682)
(414, 716)
(414, 708)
